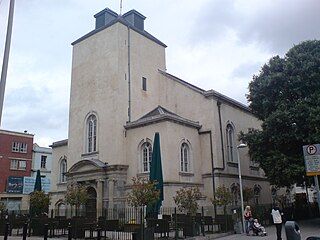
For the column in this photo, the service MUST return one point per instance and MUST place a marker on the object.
(99, 197)
(111, 193)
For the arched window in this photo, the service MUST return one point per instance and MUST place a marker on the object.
(63, 170)
(256, 193)
(185, 158)
(91, 134)
(230, 143)
(235, 190)
(146, 156)
(61, 209)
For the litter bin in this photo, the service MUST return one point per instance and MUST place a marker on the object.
(292, 230)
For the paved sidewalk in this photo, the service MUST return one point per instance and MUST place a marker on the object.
(308, 228)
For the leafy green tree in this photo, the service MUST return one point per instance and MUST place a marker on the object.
(285, 96)
(143, 192)
(76, 195)
(223, 197)
(187, 200)
(39, 203)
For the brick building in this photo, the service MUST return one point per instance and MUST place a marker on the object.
(15, 162)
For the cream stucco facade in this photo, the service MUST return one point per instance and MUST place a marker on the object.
(109, 66)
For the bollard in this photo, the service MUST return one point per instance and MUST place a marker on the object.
(6, 231)
(292, 230)
(69, 232)
(98, 233)
(45, 234)
(24, 231)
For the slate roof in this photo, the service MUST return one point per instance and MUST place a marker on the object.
(160, 114)
(124, 22)
(208, 93)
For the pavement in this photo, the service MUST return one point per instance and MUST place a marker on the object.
(308, 228)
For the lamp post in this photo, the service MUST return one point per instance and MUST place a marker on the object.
(242, 145)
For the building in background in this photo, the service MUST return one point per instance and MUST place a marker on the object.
(121, 94)
(41, 160)
(16, 163)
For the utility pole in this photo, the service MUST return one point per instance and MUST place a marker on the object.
(6, 57)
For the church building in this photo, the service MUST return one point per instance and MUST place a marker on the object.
(121, 94)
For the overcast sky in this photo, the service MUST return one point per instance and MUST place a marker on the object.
(214, 44)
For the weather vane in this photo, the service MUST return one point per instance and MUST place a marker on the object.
(120, 7)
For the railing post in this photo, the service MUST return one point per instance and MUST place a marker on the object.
(175, 224)
(202, 221)
(45, 234)
(69, 232)
(142, 223)
(6, 231)
(98, 233)
(24, 231)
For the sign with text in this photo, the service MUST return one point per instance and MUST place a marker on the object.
(29, 182)
(15, 185)
(311, 155)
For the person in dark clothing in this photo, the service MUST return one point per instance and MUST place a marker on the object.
(277, 220)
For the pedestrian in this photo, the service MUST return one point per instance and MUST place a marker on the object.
(247, 219)
(277, 219)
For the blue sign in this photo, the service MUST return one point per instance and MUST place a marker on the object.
(29, 182)
(15, 185)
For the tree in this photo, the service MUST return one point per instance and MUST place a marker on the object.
(143, 192)
(186, 199)
(223, 197)
(76, 195)
(39, 203)
(285, 96)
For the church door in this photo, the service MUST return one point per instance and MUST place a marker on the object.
(91, 205)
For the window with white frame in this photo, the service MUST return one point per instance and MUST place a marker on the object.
(16, 164)
(146, 156)
(43, 162)
(63, 170)
(184, 158)
(19, 147)
(230, 143)
(91, 134)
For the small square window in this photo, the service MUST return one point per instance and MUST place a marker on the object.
(14, 164)
(144, 84)
(22, 165)
(15, 147)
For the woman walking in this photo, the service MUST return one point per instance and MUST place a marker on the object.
(277, 220)
(247, 217)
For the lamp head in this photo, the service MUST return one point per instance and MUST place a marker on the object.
(242, 145)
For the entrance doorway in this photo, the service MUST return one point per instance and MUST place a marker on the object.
(91, 205)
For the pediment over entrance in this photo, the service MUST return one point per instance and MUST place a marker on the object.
(93, 165)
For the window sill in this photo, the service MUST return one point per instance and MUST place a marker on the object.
(62, 183)
(89, 154)
(232, 164)
(143, 174)
(186, 174)
(14, 169)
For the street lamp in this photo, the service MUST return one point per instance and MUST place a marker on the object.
(241, 145)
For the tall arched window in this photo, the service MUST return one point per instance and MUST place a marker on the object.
(256, 192)
(230, 143)
(235, 190)
(146, 156)
(91, 133)
(184, 158)
(63, 170)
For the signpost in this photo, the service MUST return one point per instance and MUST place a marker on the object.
(311, 155)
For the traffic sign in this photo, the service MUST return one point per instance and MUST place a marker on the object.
(311, 155)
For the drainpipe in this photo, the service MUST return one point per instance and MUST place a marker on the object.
(129, 78)
(221, 136)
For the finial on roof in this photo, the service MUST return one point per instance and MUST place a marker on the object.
(120, 7)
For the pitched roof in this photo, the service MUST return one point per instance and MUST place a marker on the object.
(160, 114)
(120, 19)
(209, 93)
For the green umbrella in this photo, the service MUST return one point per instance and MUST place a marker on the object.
(156, 172)
(37, 185)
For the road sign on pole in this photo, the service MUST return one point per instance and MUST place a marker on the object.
(311, 155)
(312, 159)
